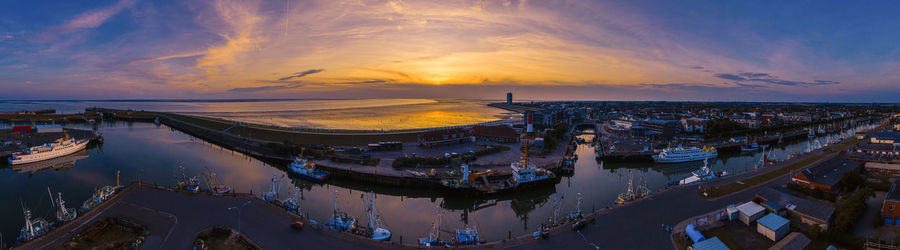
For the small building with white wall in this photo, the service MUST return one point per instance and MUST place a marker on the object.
(750, 212)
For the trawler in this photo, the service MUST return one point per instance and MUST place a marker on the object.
(188, 183)
(434, 236)
(292, 203)
(33, 228)
(307, 170)
(378, 229)
(340, 221)
(64, 214)
(703, 174)
(272, 194)
(633, 191)
(685, 154)
(61, 147)
(524, 174)
(214, 185)
(100, 196)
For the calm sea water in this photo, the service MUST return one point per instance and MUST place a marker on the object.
(367, 114)
(143, 151)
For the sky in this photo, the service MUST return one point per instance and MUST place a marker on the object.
(823, 51)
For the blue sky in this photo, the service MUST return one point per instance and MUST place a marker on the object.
(626, 50)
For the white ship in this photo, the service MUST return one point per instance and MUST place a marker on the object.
(61, 147)
(680, 154)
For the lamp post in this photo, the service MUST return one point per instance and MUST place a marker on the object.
(239, 213)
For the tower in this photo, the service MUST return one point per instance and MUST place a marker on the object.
(509, 98)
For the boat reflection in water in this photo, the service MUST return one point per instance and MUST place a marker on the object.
(58, 163)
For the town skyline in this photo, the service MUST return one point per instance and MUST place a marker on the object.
(547, 50)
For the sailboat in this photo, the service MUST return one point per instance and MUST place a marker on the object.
(379, 230)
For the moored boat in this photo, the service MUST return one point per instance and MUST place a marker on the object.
(61, 147)
(307, 170)
(340, 221)
(33, 227)
(685, 154)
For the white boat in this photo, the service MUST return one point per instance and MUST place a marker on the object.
(702, 174)
(682, 154)
(61, 147)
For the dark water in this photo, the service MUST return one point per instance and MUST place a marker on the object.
(143, 151)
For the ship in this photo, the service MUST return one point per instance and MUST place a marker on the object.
(61, 147)
(378, 230)
(272, 194)
(33, 228)
(434, 236)
(685, 154)
(633, 191)
(188, 183)
(702, 174)
(214, 185)
(64, 214)
(468, 237)
(524, 174)
(307, 170)
(750, 147)
(292, 203)
(340, 221)
(60, 163)
(100, 195)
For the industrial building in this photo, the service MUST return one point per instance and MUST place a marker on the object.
(826, 175)
(882, 168)
(793, 241)
(445, 137)
(799, 209)
(885, 138)
(498, 134)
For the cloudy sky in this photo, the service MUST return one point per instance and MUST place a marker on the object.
(622, 50)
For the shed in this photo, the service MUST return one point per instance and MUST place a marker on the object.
(732, 212)
(794, 241)
(710, 244)
(773, 226)
(695, 235)
(750, 211)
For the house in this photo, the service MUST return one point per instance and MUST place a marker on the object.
(749, 212)
(825, 175)
(713, 243)
(773, 226)
(694, 125)
(890, 208)
(443, 137)
(882, 168)
(665, 128)
(885, 138)
(793, 241)
(799, 209)
(498, 134)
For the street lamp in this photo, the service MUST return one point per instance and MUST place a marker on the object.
(239, 213)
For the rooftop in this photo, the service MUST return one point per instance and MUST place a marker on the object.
(773, 221)
(829, 172)
(793, 241)
(894, 194)
(887, 135)
(495, 131)
(750, 208)
(710, 244)
(813, 208)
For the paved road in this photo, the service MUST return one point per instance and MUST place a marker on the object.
(638, 225)
(174, 219)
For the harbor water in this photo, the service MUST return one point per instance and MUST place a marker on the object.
(151, 154)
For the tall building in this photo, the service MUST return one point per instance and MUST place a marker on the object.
(509, 98)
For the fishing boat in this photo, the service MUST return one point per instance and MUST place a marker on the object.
(379, 230)
(340, 221)
(272, 194)
(434, 236)
(100, 195)
(577, 214)
(63, 214)
(702, 174)
(811, 134)
(187, 183)
(33, 228)
(61, 147)
(307, 170)
(214, 185)
(633, 191)
(468, 237)
(685, 154)
(292, 203)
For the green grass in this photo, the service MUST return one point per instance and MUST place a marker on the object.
(513, 107)
(842, 146)
(733, 187)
